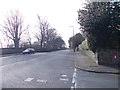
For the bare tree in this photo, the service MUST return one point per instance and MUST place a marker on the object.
(29, 38)
(46, 35)
(43, 26)
(13, 27)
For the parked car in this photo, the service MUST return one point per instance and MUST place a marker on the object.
(29, 51)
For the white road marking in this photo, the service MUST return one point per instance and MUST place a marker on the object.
(63, 75)
(75, 69)
(64, 79)
(75, 84)
(73, 79)
(43, 81)
(74, 76)
(29, 79)
(72, 88)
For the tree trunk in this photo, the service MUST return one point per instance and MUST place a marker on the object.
(41, 43)
(16, 43)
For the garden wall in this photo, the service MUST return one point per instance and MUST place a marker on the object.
(108, 56)
(104, 56)
(14, 51)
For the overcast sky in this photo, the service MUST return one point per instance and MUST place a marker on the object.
(60, 13)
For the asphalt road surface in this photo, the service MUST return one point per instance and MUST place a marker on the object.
(50, 70)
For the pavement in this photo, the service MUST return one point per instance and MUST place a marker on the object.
(85, 63)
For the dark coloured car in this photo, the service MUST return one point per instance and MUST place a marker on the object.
(29, 51)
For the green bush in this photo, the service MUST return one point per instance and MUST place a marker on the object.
(84, 45)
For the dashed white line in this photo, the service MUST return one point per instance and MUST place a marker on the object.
(75, 69)
(74, 75)
(72, 88)
(75, 84)
(73, 79)
(29, 79)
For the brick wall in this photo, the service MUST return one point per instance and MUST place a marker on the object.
(11, 50)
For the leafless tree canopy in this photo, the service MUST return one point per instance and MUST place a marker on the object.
(45, 33)
(47, 36)
(42, 27)
(13, 27)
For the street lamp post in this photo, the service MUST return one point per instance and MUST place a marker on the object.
(73, 38)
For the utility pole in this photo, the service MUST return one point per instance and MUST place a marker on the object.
(1, 44)
(73, 38)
